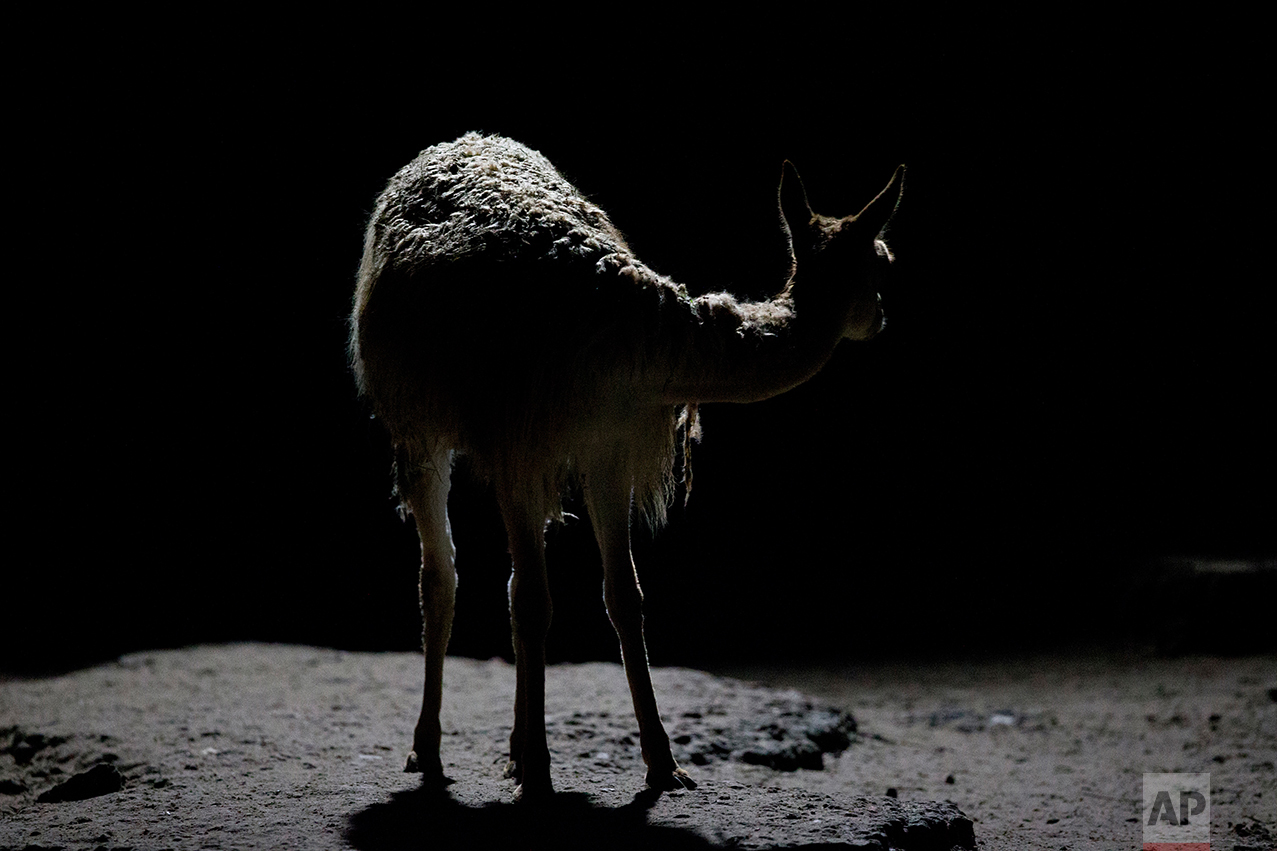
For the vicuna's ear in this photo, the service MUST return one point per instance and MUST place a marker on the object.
(876, 213)
(795, 212)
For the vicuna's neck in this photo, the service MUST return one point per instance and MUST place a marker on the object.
(724, 350)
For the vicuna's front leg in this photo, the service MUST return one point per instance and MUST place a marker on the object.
(530, 612)
(426, 493)
(609, 496)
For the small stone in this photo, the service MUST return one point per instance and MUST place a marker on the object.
(784, 754)
(101, 779)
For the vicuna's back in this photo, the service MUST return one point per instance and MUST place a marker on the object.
(496, 307)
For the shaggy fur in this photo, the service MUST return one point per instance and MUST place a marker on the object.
(500, 314)
(495, 314)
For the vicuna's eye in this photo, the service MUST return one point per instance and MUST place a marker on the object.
(880, 246)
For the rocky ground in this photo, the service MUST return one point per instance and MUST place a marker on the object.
(270, 746)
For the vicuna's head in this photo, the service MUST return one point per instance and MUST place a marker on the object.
(844, 256)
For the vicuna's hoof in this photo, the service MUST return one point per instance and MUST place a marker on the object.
(669, 781)
(430, 778)
(534, 791)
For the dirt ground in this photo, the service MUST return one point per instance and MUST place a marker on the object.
(273, 746)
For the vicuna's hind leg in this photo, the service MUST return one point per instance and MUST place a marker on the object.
(425, 489)
(608, 496)
(530, 612)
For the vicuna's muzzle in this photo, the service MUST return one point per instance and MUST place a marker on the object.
(865, 324)
(879, 321)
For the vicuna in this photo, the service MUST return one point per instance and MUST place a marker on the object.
(500, 314)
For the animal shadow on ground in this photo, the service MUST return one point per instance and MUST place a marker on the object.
(416, 817)
(568, 821)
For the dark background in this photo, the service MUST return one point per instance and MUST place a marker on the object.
(1075, 385)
